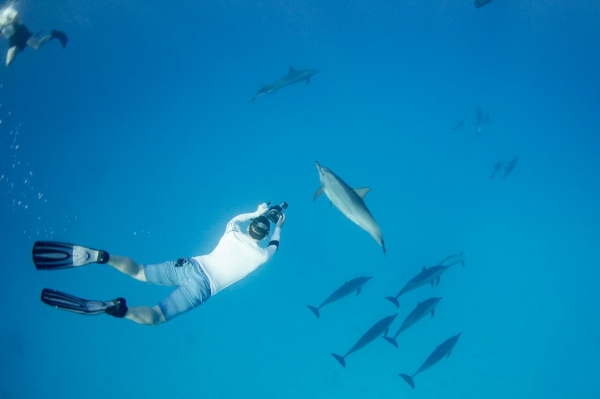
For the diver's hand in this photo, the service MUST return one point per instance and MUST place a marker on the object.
(262, 208)
(281, 220)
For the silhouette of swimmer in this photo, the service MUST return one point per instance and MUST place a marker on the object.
(19, 37)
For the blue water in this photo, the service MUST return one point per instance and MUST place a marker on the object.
(139, 138)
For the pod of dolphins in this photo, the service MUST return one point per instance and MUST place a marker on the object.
(350, 202)
(427, 275)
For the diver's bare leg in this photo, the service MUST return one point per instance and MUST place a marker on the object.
(145, 315)
(36, 43)
(128, 266)
(11, 55)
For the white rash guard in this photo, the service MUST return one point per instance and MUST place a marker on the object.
(236, 255)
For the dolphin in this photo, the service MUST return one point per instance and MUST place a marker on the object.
(350, 201)
(498, 166)
(381, 327)
(293, 76)
(458, 125)
(481, 3)
(426, 276)
(444, 350)
(346, 289)
(421, 310)
(481, 120)
(453, 260)
(510, 167)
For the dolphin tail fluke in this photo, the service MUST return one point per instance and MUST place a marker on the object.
(391, 341)
(339, 359)
(393, 300)
(408, 380)
(314, 310)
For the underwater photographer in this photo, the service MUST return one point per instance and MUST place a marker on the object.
(197, 278)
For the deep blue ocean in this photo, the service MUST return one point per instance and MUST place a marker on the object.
(140, 138)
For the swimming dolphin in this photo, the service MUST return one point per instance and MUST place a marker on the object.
(453, 260)
(346, 289)
(481, 120)
(458, 125)
(498, 166)
(426, 276)
(481, 3)
(293, 76)
(350, 201)
(510, 167)
(444, 350)
(421, 310)
(381, 327)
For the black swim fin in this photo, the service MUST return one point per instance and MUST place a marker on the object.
(61, 36)
(71, 303)
(53, 255)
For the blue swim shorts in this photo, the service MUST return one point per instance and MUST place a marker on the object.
(193, 286)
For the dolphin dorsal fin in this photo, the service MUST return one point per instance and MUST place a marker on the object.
(263, 85)
(318, 193)
(362, 191)
(292, 70)
(424, 268)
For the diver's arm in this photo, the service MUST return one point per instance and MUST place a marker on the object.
(270, 250)
(274, 242)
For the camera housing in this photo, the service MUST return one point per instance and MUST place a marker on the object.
(274, 212)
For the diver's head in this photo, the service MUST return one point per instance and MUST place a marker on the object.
(8, 15)
(259, 228)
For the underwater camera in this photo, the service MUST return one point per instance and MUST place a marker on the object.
(274, 212)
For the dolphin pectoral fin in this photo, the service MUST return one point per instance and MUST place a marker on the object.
(432, 312)
(408, 380)
(431, 282)
(393, 300)
(463, 264)
(307, 80)
(314, 310)
(437, 281)
(318, 193)
(362, 191)
(339, 359)
(358, 291)
(448, 355)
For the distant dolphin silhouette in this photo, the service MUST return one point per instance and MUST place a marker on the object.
(421, 310)
(444, 350)
(293, 76)
(510, 167)
(481, 119)
(453, 260)
(426, 276)
(498, 166)
(381, 327)
(346, 289)
(481, 3)
(458, 125)
(350, 201)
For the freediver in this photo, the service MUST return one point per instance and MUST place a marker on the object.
(196, 278)
(19, 37)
